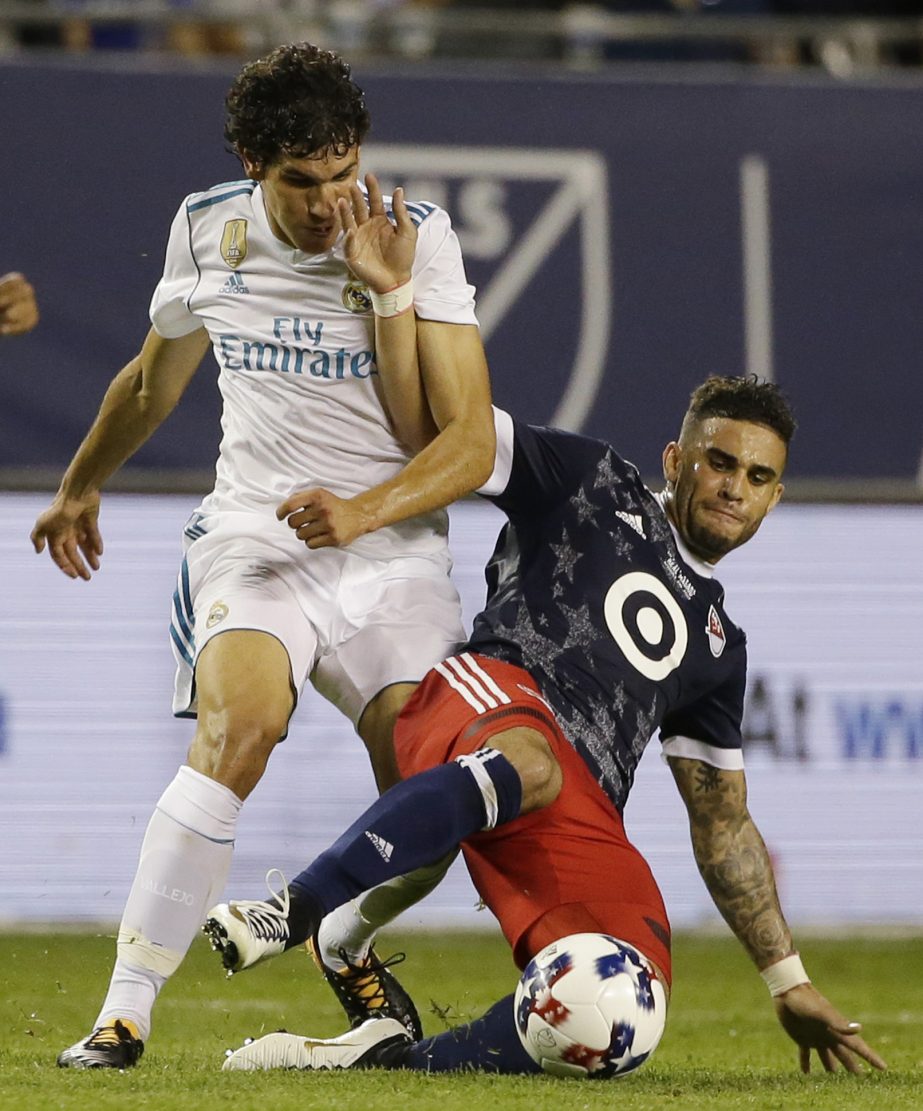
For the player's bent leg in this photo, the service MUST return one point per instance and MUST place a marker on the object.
(341, 948)
(376, 728)
(413, 825)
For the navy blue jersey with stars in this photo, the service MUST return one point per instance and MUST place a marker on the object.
(589, 590)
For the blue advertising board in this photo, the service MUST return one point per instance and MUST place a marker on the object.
(627, 236)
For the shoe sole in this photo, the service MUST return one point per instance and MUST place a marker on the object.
(273, 1051)
(291, 1051)
(218, 939)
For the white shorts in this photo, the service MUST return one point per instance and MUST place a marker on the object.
(354, 625)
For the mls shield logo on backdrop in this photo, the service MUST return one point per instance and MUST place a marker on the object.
(534, 230)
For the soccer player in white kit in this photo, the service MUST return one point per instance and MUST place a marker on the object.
(321, 551)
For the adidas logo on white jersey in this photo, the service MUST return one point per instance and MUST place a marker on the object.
(234, 284)
(385, 848)
(633, 519)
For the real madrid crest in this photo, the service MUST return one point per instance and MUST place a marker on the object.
(234, 242)
(216, 614)
(356, 296)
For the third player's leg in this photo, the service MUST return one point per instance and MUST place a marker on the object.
(376, 728)
(245, 699)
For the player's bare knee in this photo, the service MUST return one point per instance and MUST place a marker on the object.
(234, 748)
(531, 755)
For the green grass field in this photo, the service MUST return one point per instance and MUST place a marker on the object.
(722, 1049)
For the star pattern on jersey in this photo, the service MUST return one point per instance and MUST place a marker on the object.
(538, 651)
(584, 508)
(566, 556)
(593, 732)
(606, 475)
(622, 543)
(660, 530)
(646, 723)
(619, 699)
(580, 629)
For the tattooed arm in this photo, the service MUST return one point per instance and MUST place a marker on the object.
(737, 871)
(732, 858)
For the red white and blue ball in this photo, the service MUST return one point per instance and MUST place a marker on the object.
(589, 1005)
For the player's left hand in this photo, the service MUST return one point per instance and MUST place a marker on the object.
(18, 307)
(322, 520)
(815, 1024)
(376, 250)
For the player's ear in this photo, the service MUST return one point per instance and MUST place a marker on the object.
(254, 169)
(671, 457)
(776, 497)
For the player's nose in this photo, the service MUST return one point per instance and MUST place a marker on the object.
(322, 200)
(732, 487)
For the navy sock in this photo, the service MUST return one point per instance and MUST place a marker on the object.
(415, 823)
(489, 1044)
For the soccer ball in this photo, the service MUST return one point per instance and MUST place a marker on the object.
(589, 1005)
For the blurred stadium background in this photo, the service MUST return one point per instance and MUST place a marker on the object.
(645, 193)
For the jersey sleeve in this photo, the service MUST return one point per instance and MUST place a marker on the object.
(440, 286)
(169, 310)
(710, 729)
(536, 467)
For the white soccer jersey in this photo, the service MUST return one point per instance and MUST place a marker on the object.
(293, 335)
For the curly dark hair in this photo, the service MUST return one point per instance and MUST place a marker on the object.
(748, 399)
(298, 100)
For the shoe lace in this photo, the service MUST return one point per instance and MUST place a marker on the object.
(105, 1037)
(363, 978)
(266, 921)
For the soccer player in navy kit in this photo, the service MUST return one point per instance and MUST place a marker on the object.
(603, 624)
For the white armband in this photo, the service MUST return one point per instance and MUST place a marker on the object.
(395, 301)
(785, 974)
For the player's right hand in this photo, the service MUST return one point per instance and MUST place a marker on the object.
(69, 528)
(815, 1024)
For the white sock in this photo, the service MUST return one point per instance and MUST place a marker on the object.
(352, 926)
(184, 863)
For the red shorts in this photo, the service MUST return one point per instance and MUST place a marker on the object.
(565, 869)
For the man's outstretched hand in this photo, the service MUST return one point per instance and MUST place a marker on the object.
(814, 1023)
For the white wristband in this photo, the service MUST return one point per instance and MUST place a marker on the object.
(395, 301)
(785, 974)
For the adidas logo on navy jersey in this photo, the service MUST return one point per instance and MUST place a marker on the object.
(385, 848)
(234, 284)
(633, 519)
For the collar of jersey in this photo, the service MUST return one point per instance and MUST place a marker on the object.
(291, 255)
(698, 565)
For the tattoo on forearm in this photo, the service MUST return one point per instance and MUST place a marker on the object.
(735, 865)
(737, 871)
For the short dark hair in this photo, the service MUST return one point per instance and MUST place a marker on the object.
(298, 100)
(748, 399)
